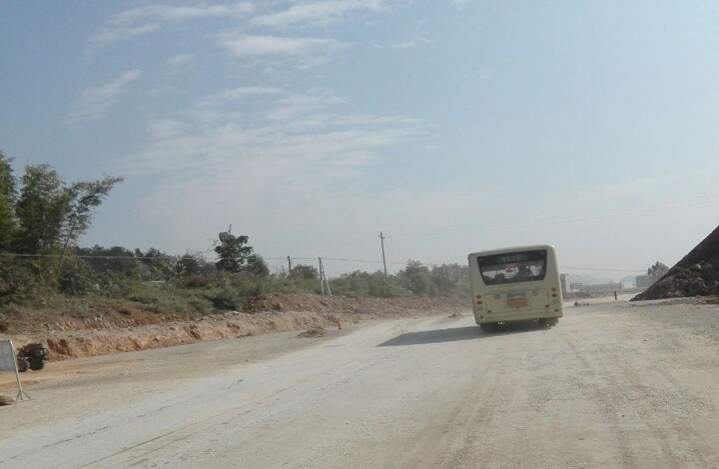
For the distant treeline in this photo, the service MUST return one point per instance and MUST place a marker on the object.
(42, 217)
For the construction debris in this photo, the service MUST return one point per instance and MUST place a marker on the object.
(697, 274)
(6, 400)
(312, 332)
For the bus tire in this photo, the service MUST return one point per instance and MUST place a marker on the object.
(489, 327)
(547, 322)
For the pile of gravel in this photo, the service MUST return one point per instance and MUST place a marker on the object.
(697, 274)
(6, 400)
(318, 331)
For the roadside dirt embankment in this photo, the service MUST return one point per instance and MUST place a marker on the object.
(696, 274)
(265, 315)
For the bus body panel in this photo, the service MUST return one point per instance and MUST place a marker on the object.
(515, 300)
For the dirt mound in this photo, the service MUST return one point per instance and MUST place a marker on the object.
(697, 274)
(111, 333)
(121, 313)
(318, 331)
(6, 400)
(383, 307)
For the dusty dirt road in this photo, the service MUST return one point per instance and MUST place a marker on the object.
(614, 385)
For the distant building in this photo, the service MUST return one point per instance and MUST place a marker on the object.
(602, 288)
(563, 282)
(644, 281)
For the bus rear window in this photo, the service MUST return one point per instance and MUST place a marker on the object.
(513, 267)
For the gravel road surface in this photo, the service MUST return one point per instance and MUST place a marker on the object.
(613, 385)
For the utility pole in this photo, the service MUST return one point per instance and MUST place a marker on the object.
(322, 277)
(327, 283)
(324, 284)
(384, 259)
(289, 266)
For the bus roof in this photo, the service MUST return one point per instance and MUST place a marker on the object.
(532, 247)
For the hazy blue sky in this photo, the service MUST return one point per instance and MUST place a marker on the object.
(454, 126)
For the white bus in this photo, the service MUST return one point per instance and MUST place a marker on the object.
(515, 284)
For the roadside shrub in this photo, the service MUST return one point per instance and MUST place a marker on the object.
(359, 284)
(226, 299)
(197, 281)
(417, 279)
(76, 278)
(16, 280)
(201, 305)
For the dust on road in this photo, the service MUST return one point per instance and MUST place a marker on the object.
(611, 386)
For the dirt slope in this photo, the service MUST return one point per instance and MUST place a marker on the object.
(118, 333)
(697, 274)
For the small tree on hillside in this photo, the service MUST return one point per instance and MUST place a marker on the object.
(8, 194)
(257, 266)
(187, 265)
(51, 213)
(417, 279)
(657, 271)
(307, 272)
(233, 252)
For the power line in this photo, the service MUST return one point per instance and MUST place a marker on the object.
(440, 231)
(283, 259)
(601, 270)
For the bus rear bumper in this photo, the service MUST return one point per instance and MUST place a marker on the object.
(482, 317)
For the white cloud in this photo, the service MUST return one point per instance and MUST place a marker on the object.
(236, 94)
(159, 129)
(406, 44)
(183, 13)
(154, 16)
(293, 106)
(315, 13)
(95, 102)
(228, 158)
(250, 46)
(264, 134)
(163, 90)
(109, 35)
(179, 59)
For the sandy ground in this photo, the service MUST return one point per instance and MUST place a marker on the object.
(615, 384)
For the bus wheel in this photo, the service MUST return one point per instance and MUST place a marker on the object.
(489, 327)
(547, 322)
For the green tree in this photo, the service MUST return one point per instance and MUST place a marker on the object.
(657, 271)
(41, 209)
(359, 284)
(85, 197)
(417, 279)
(157, 265)
(257, 266)
(233, 252)
(52, 213)
(450, 279)
(8, 193)
(306, 272)
(113, 260)
(187, 266)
